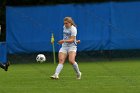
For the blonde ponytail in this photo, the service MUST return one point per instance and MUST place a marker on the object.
(70, 20)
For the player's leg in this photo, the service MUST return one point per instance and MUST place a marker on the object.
(62, 56)
(72, 55)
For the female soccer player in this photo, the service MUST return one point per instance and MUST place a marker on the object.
(69, 48)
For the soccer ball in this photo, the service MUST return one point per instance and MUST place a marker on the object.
(40, 58)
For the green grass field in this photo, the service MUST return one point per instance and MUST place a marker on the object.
(98, 77)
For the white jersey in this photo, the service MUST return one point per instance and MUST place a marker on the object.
(67, 33)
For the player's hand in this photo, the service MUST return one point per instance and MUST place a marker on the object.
(60, 41)
(78, 41)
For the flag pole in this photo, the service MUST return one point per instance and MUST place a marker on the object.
(52, 41)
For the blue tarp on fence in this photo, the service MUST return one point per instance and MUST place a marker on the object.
(3, 52)
(103, 26)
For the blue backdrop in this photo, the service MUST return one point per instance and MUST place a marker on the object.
(101, 26)
(3, 52)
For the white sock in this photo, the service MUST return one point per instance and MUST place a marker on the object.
(76, 68)
(58, 69)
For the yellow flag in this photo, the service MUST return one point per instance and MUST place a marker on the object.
(52, 39)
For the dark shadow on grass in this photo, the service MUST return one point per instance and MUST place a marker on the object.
(88, 56)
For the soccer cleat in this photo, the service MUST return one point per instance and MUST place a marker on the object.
(2, 66)
(79, 75)
(54, 76)
(6, 66)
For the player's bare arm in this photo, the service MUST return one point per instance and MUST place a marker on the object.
(72, 38)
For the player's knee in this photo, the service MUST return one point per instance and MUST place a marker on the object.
(61, 60)
(71, 61)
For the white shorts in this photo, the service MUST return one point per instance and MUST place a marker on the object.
(66, 50)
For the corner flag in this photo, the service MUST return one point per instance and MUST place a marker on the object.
(52, 41)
